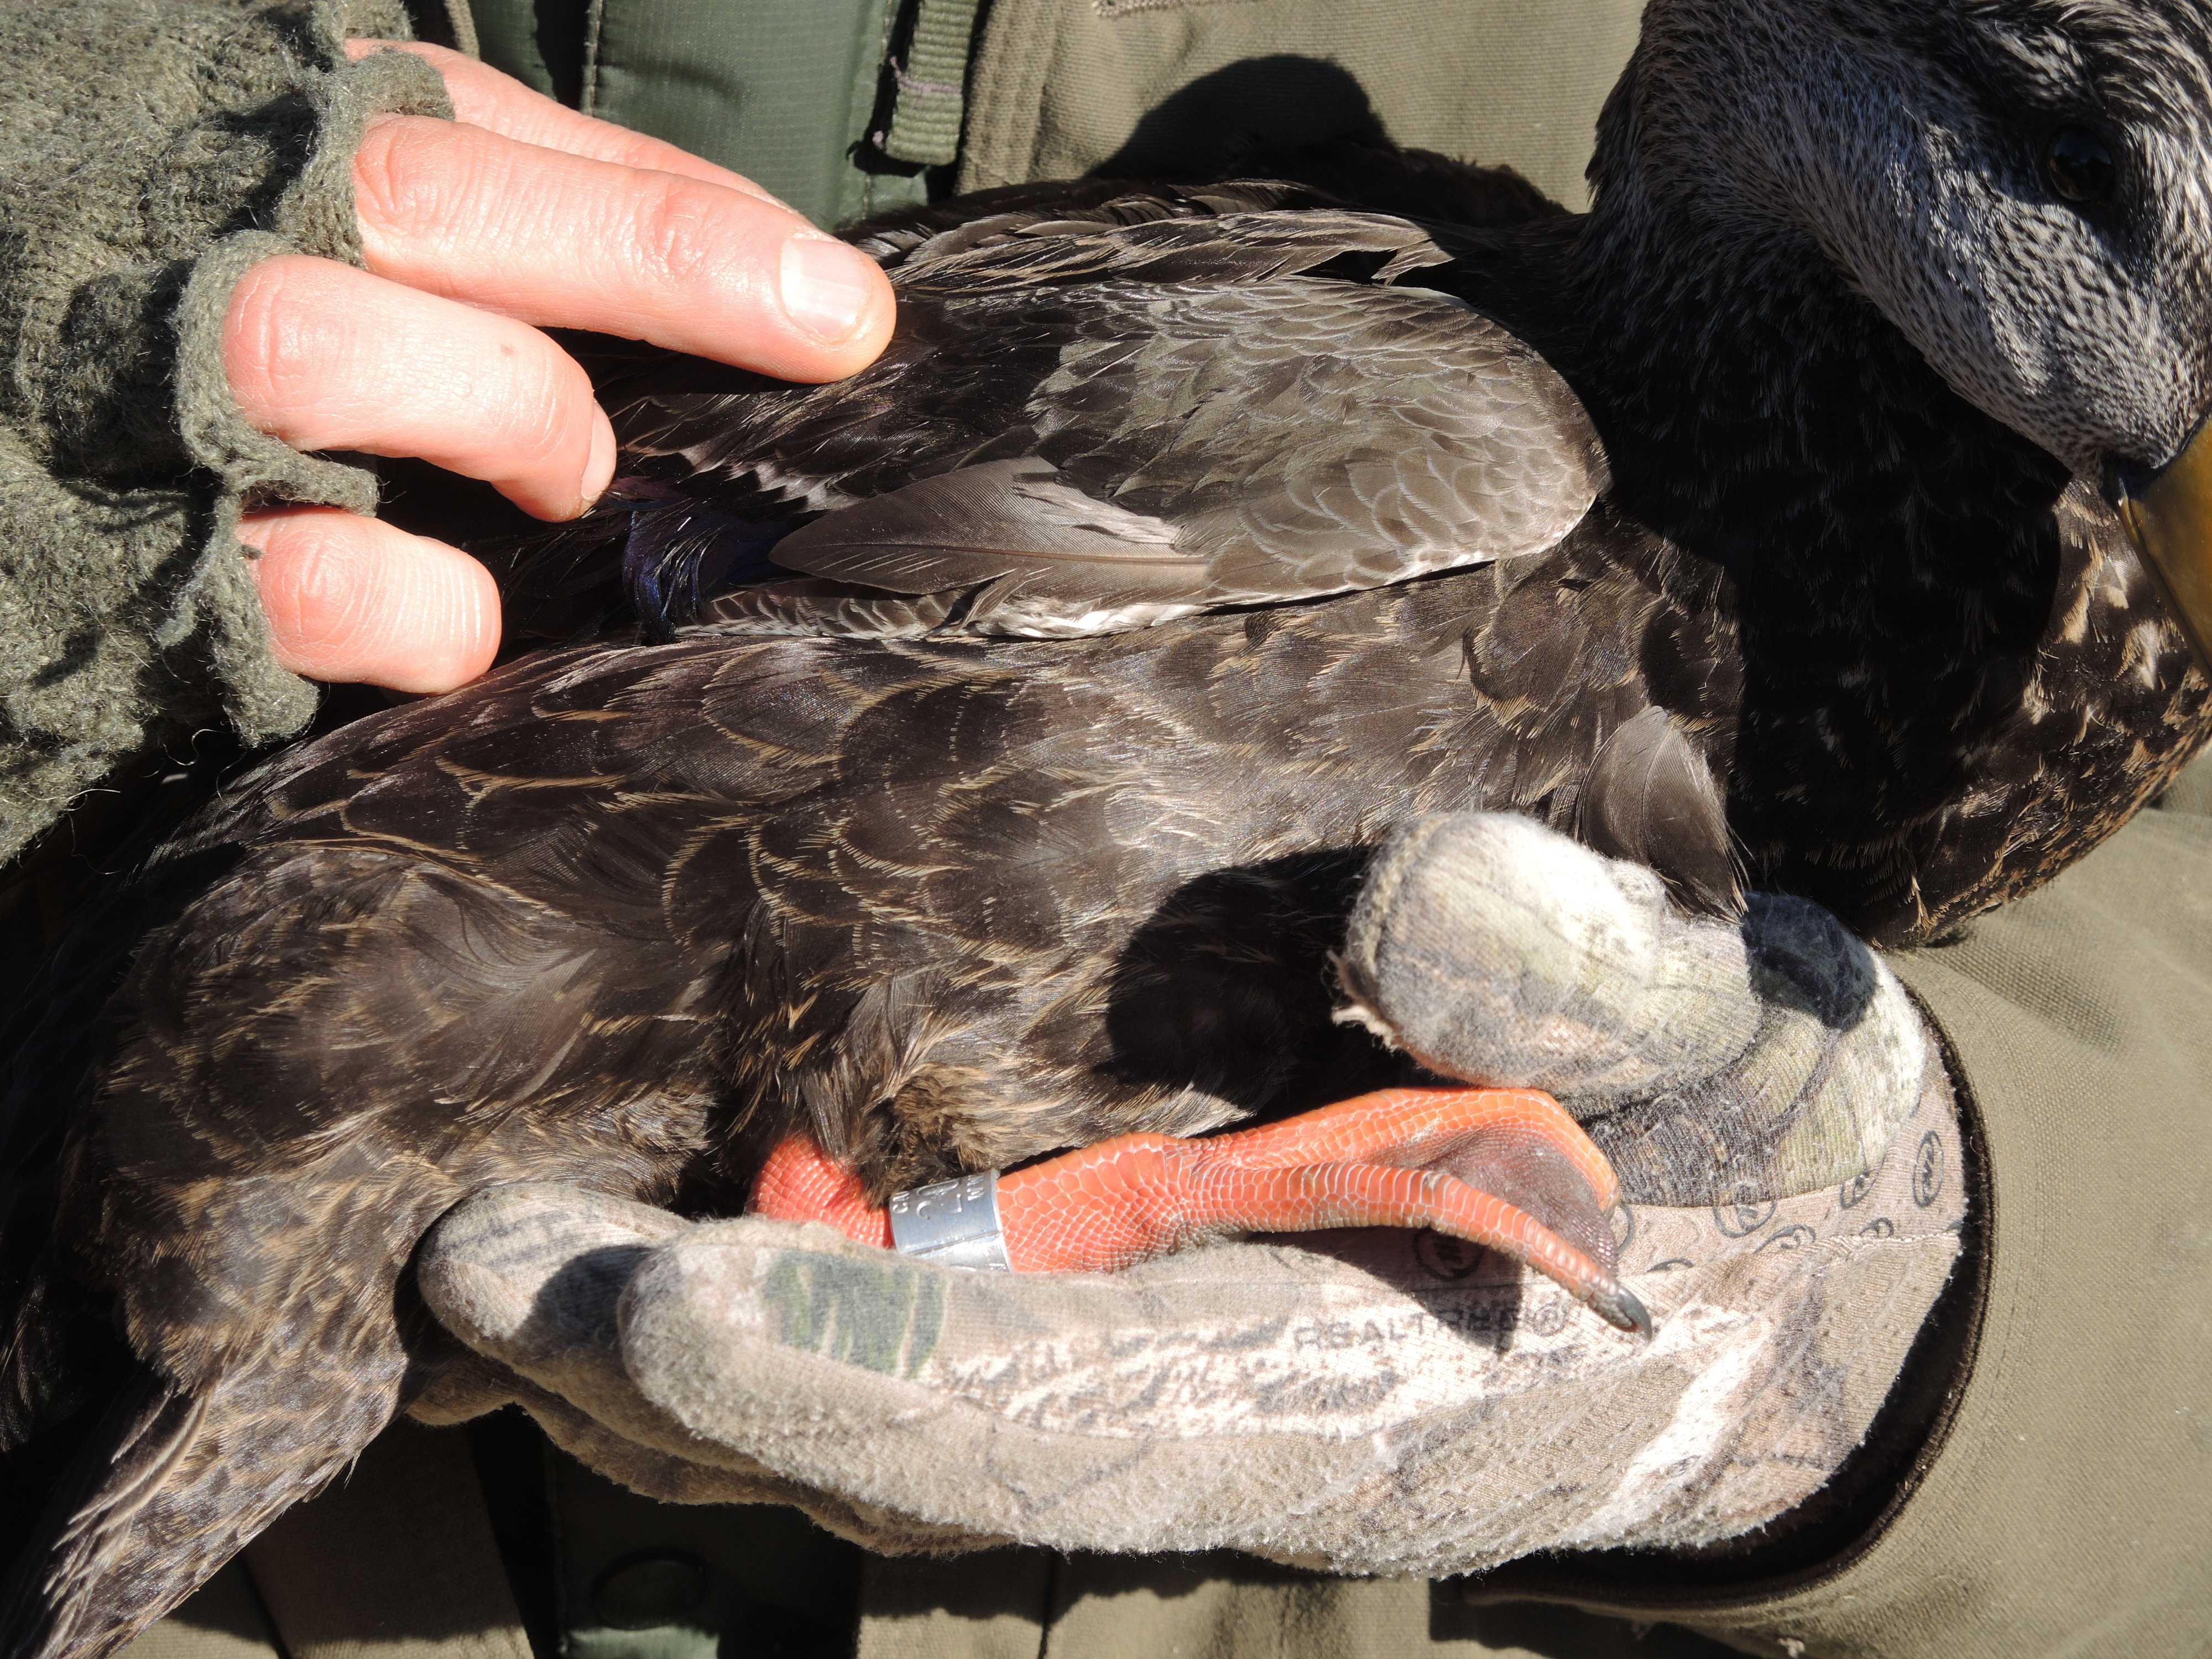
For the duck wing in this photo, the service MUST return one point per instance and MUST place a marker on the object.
(1083, 428)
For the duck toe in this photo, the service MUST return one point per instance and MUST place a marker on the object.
(1507, 1168)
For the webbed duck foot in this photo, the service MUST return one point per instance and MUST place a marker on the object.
(1507, 1168)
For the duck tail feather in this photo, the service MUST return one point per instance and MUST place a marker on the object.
(163, 1487)
(63, 1594)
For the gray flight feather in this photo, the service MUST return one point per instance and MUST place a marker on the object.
(1249, 445)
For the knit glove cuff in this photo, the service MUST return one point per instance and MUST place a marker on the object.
(132, 201)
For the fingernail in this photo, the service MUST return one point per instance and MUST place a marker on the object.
(827, 287)
(599, 469)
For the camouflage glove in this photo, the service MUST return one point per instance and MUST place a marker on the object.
(1711, 1061)
(1367, 1402)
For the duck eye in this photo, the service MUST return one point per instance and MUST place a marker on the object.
(2079, 164)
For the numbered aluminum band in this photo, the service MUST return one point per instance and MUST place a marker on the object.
(954, 1223)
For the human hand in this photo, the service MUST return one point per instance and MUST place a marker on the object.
(518, 215)
(1377, 1401)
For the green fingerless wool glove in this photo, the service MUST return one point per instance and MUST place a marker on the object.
(150, 151)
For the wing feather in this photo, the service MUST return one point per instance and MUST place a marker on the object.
(1083, 426)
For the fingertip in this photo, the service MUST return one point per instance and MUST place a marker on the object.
(355, 600)
(325, 357)
(562, 240)
(599, 468)
(839, 298)
(828, 288)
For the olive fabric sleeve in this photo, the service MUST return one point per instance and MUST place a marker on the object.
(807, 100)
(2063, 1502)
(399, 1561)
(1140, 87)
(150, 152)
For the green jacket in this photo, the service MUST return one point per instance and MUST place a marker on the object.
(2042, 1481)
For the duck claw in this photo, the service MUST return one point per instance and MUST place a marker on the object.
(1622, 1309)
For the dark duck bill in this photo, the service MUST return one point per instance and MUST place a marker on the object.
(1185, 545)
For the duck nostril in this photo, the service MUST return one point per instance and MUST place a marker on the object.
(2081, 168)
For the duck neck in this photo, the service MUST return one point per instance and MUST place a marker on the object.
(1886, 555)
(1761, 414)
(1735, 371)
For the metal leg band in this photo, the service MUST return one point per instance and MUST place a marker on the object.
(954, 1223)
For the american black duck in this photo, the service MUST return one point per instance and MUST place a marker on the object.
(1770, 524)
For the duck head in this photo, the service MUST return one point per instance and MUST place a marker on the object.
(2022, 187)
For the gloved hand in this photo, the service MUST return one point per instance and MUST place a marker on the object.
(1363, 1401)
(1709, 1061)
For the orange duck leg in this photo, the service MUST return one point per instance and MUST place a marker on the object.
(1481, 1164)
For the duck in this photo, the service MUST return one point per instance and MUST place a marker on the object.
(983, 753)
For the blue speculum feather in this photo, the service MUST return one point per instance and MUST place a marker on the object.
(681, 552)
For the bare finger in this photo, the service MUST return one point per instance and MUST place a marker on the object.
(325, 357)
(483, 97)
(564, 240)
(352, 599)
